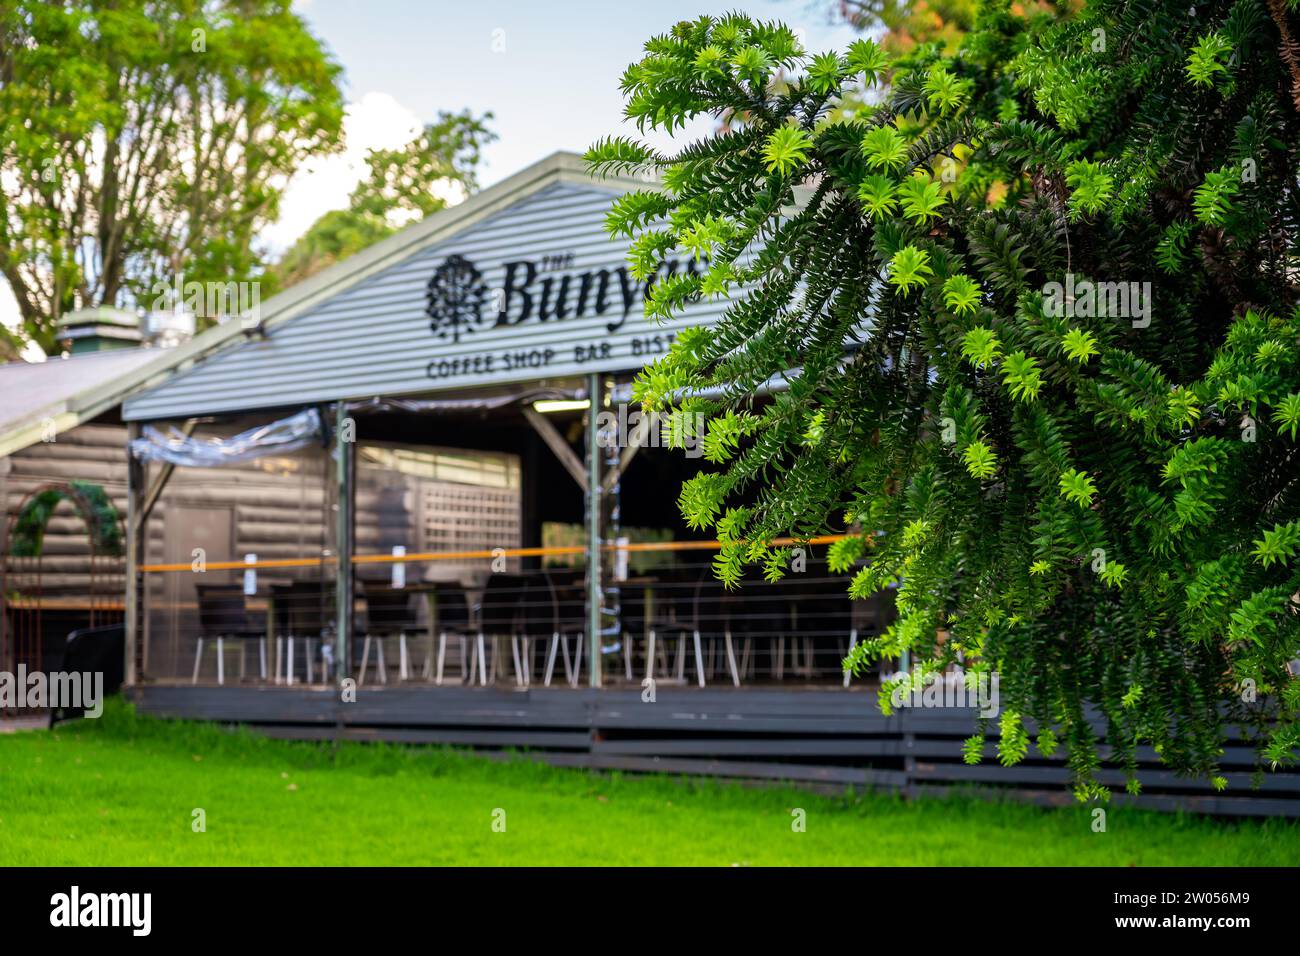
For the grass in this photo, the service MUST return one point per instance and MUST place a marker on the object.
(122, 790)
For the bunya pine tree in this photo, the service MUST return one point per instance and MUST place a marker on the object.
(1035, 308)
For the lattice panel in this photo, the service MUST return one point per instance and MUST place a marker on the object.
(456, 517)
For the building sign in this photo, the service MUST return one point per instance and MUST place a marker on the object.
(520, 291)
(467, 308)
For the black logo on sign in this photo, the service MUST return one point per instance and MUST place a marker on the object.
(456, 293)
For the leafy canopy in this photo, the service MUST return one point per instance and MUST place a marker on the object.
(140, 139)
(401, 186)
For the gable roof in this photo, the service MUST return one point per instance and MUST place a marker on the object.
(358, 329)
(42, 399)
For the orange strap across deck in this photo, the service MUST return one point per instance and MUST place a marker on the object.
(470, 555)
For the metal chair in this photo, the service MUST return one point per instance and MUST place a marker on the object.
(633, 617)
(835, 620)
(828, 614)
(534, 612)
(554, 609)
(702, 610)
(713, 607)
(498, 614)
(757, 610)
(816, 612)
(304, 610)
(455, 616)
(870, 617)
(670, 617)
(223, 614)
(388, 613)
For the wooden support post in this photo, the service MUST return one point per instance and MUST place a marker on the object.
(344, 496)
(558, 446)
(594, 517)
(136, 525)
(635, 439)
(156, 486)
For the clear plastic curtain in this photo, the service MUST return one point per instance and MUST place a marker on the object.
(278, 437)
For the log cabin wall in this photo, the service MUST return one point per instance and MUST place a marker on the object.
(43, 601)
(90, 453)
(437, 500)
(273, 507)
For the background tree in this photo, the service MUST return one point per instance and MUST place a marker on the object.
(144, 138)
(402, 186)
(1101, 504)
(906, 23)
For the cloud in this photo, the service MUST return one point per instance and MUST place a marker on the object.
(376, 121)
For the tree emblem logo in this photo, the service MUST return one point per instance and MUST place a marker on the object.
(456, 293)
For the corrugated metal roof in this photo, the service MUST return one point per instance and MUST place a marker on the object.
(52, 391)
(371, 333)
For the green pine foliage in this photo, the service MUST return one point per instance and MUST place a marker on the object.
(1103, 508)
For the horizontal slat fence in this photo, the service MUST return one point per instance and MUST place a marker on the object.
(814, 737)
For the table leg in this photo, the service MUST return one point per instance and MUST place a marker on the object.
(648, 603)
(431, 604)
(270, 631)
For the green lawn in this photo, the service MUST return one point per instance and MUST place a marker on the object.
(122, 790)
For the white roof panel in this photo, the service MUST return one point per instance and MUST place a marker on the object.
(30, 391)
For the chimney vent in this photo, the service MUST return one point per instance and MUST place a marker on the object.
(99, 329)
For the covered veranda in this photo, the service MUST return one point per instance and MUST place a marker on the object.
(467, 616)
(488, 553)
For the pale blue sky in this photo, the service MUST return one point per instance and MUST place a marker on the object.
(555, 85)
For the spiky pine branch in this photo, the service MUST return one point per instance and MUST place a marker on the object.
(1095, 496)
